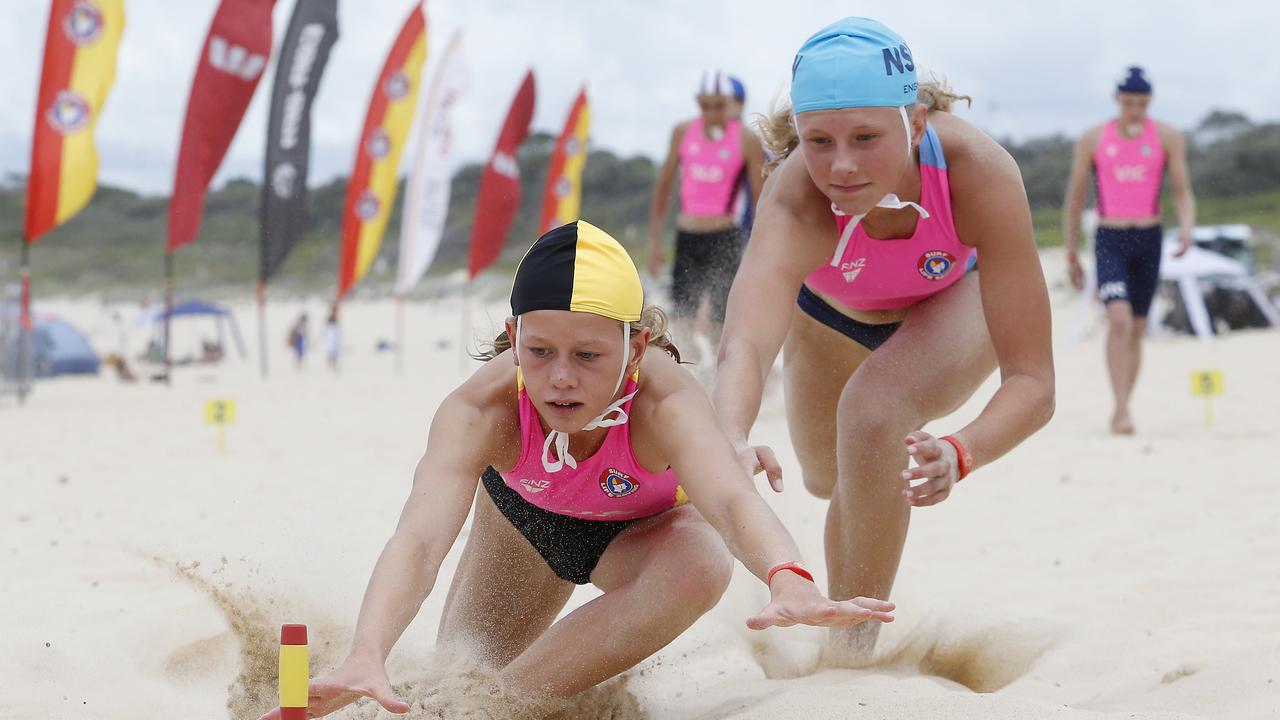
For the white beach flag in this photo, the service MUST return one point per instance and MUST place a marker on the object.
(427, 196)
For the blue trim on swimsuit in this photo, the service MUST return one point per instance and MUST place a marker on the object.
(867, 335)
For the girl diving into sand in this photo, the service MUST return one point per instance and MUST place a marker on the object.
(599, 462)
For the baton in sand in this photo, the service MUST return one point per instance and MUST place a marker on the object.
(294, 672)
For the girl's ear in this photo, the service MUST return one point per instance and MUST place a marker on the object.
(919, 119)
(510, 325)
(639, 344)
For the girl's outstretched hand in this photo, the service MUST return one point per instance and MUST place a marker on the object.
(797, 601)
(936, 464)
(760, 458)
(357, 677)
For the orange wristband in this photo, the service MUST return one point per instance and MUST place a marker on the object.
(794, 567)
(962, 454)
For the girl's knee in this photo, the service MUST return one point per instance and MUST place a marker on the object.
(704, 570)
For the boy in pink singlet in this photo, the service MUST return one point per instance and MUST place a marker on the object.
(715, 156)
(598, 462)
(1128, 156)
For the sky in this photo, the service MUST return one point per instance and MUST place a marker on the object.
(1033, 68)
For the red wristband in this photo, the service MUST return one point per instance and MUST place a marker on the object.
(794, 567)
(962, 455)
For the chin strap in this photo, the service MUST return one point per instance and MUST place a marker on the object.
(891, 201)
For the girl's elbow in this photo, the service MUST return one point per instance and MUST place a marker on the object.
(1046, 401)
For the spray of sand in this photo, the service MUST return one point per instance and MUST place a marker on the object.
(981, 656)
(450, 686)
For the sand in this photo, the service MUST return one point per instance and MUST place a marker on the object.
(146, 571)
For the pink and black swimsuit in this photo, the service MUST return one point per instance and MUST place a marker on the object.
(869, 274)
(570, 514)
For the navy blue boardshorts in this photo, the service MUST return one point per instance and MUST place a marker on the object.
(1129, 265)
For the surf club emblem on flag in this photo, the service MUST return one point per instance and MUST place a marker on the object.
(935, 264)
(83, 24)
(69, 113)
(616, 483)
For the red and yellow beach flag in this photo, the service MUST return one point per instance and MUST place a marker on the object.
(79, 68)
(372, 187)
(562, 198)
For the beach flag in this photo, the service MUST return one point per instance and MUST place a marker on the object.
(499, 194)
(562, 198)
(79, 68)
(231, 62)
(372, 186)
(426, 203)
(304, 53)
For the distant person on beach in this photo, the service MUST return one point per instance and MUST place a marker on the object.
(297, 340)
(864, 262)
(597, 462)
(1128, 156)
(715, 156)
(332, 340)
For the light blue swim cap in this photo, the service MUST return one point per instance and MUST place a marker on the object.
(854, 62)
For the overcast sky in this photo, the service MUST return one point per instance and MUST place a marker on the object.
(1033, 68)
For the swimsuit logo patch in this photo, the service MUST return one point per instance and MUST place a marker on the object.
(535, 486)
(616, 483)
(851, 270)
(935, 264)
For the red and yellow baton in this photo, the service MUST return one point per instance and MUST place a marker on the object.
(294, 672)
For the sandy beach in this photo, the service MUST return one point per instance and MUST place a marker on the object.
(146, 571)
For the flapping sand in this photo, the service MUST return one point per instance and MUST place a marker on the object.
(145, 572)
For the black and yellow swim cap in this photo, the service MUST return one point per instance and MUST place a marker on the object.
(578, 267)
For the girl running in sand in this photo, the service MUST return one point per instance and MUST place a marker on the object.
(600, 463)
(863, 260)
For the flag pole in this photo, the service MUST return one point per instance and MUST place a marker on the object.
(24, 324)
(168, 315)
(399, 334)
(262, 325)
(466, 326)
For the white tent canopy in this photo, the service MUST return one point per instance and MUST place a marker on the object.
(1196, 264)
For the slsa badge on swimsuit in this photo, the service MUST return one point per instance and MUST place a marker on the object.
(935, 264)
(616, 483)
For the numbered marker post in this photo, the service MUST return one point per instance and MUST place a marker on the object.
(220, 412)
(294, 672)
(1207, 383)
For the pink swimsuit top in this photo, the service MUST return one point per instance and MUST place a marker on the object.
(870, 274)
(1128, 172)
(710, 170)
(609, 485)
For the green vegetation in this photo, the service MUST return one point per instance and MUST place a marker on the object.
(116, 245)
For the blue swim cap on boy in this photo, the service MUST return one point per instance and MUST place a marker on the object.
(854, 62)
(1135, 81)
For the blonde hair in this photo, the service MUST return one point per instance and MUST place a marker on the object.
(778, 128)
(651, 317)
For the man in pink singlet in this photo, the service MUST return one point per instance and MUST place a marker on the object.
(1128, 156)
(715, 155)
